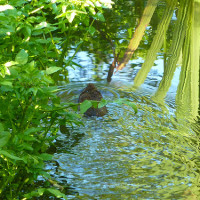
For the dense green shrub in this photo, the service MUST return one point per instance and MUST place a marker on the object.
(34, 39)
(29, 110)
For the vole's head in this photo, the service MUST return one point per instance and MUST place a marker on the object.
(90, 86)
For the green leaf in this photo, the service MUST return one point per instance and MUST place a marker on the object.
(92, 10)
(4, 138)
(6, 88)
(95, 103)
(33, 90)
(30, 138)
(37, 193)
(42, 41)
(41, 191)
(21, 57)
(9, 155)
(32, 130)
(70, 16)
(27, 33)
(57, 193)
(92, 30)
(52, 70)
(85, 106)
(102, 103)
(26, 146)
(71, 116)
(1, 127)
(6, 83)
(6, 7)
(73, 63)
(45, 174)
(120, 101)
(31, 65)
(10, 63)
(49, 89)
(45, 156)
(100, 17)
(126, 102)
(42, 25)
(132, 105)
(14, 72)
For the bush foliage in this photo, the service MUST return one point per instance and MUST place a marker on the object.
(34, 39)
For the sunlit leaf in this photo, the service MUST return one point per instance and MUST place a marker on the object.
(31, 65)
(84, 106)
(89, 3)
(21, 57)
(107, 3)
(6, 7)
(10, 63)
(57, 193)
(71, 16)
(42, 25)
(41, 191)
(52, 70)
(92, 10)
(102, 103)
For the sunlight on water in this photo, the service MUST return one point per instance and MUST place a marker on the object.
(153, 154)
(127, 156)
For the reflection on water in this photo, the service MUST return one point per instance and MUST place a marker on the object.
(150, 155)
(153, 154)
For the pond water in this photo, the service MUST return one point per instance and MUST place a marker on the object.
(123, 155)
(149, 155)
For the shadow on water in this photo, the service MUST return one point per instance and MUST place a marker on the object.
(123, 155)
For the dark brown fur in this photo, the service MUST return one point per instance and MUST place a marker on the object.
(91, 93)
